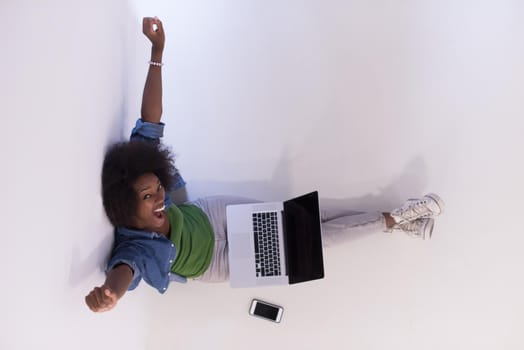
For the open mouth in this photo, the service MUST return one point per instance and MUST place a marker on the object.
(159, 212)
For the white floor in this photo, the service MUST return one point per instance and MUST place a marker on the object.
(368, 102)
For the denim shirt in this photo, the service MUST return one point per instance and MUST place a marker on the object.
(149, 254)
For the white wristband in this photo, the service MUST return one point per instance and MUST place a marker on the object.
(157, 64)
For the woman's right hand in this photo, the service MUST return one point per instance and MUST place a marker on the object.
(157, 36)
(101, 299)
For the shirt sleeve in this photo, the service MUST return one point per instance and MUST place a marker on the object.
(152, 132)
(147, 131)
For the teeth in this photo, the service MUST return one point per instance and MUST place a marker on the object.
(159, 210)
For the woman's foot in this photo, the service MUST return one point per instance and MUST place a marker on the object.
(428, 206)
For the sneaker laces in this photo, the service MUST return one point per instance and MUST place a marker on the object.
(414, 208)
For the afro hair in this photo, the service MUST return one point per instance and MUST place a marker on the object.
(123, 164)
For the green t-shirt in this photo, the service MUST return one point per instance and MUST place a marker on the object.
(193, 236)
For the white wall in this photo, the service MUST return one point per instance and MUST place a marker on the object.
(368, 102)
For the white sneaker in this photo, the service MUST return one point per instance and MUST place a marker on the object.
(420, 228)
(428, 206)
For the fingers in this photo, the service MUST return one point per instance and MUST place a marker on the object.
(101, 299)
(156, 24)
(160, 26)
(155, 35)
(152, 25)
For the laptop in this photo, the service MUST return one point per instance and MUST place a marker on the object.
(275, 243)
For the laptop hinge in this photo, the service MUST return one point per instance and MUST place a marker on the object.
(284, 236)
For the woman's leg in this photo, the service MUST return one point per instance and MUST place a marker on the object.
(339, 225)
(414, 217)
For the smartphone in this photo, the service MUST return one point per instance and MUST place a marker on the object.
(266, 310)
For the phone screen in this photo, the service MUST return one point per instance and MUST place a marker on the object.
(266, 311)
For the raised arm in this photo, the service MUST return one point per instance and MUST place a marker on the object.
(152, 96)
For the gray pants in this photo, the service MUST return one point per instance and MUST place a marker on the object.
(338, 226)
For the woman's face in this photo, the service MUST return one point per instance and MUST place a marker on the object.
(150, 215)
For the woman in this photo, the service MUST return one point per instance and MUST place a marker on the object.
(160, 242)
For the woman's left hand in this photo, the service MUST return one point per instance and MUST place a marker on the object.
(154, 31)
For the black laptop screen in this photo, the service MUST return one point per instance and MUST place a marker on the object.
(303, 240)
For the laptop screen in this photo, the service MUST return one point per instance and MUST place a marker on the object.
(303, 240)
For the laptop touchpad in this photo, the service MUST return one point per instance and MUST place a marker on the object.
(240, 247)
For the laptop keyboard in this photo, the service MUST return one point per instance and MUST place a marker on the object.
(267, 248)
